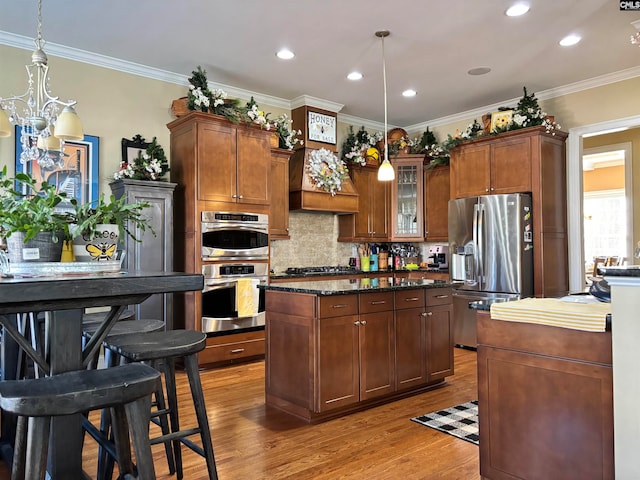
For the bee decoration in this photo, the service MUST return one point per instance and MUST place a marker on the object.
(101, 251)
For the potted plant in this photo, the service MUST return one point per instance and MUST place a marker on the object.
(30, 222)
(98, 225)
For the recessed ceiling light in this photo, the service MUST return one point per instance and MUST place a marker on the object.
(409, 93)
(479, 71)
(285, 54)
(570, 40)
(354, 76)
(517, 9)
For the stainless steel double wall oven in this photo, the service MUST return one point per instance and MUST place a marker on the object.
(235, 255)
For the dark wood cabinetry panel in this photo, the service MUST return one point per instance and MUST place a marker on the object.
(545, 402)
(358, 350)
(526, 160)
(436, 200)
(279, 208)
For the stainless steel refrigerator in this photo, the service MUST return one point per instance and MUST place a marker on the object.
(491, 248)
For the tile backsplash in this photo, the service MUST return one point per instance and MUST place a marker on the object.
(312, 244)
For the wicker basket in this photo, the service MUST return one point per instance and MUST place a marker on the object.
(40, 249)
(179, 107)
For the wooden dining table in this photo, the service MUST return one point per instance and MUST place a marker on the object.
(64, 298)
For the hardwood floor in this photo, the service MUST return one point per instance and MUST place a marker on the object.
(254, 442)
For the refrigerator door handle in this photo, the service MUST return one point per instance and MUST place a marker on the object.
(475, 259)
(481, 245)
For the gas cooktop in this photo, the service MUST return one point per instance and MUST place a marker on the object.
(319, 270)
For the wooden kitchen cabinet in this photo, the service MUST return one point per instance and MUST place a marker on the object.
(519, 161)
(331, 355)
(436, 203)
(439, 334)
(370, 223)
(502, 166)
(230, 163)
(411, 355)
(279, 207)
(217, 166)
(424, 336)
(407, 200)
(545, 402)
(355, 353)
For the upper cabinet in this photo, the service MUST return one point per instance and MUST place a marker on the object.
(492, 167)
(436, 203)
(370, 223)
(279, 209)
(226, 162)
(407, 199)
(526, 160)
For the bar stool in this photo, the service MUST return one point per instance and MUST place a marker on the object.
(126, 390)
(166, 347)
(122, 327)
(102, 433)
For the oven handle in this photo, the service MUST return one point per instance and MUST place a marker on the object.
(212, 227)
(217, 286)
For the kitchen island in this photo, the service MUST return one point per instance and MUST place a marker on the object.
(338, 346)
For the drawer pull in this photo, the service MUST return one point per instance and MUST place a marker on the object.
(379, 302)
(442, 296)
(237, 350)
(339, 305)
(412, 299)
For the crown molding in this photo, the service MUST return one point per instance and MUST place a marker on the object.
(542, 95)
(308, 100)
(104, 61)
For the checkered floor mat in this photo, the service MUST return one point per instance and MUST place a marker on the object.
(460, 421)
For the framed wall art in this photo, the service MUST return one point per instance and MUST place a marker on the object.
(131, 148)
(500, 120)
(75, 169)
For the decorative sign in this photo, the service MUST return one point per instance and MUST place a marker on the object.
(321, 127)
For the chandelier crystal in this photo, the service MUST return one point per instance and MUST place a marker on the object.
(44, 128)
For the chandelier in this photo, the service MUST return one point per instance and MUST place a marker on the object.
(385, 172)
(635, 38)
(43, 127)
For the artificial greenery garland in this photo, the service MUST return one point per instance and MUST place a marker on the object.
(326, 170)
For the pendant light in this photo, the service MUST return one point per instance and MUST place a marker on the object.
(385, 172)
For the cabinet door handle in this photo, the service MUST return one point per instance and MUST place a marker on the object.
(424, 314)
(486, 189)
(380, 302)
(363, 322)
(412, 299)
(356, 322)
(339, 305)
(237, 350)
(429, 314)
(442, 296)
(240, 197)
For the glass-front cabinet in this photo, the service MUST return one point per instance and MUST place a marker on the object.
(407, 198)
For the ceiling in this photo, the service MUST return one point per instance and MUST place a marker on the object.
(431, 47)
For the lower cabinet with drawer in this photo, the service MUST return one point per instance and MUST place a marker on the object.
(230, 348)
(331, 355)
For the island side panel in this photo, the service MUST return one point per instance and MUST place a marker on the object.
(289, 364)
(545, 401)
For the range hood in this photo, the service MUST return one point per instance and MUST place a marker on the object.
(304, 195)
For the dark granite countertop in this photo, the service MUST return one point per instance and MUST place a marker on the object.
(353, 271)
(360, 285)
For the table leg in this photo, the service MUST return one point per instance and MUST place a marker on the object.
(65, 445)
